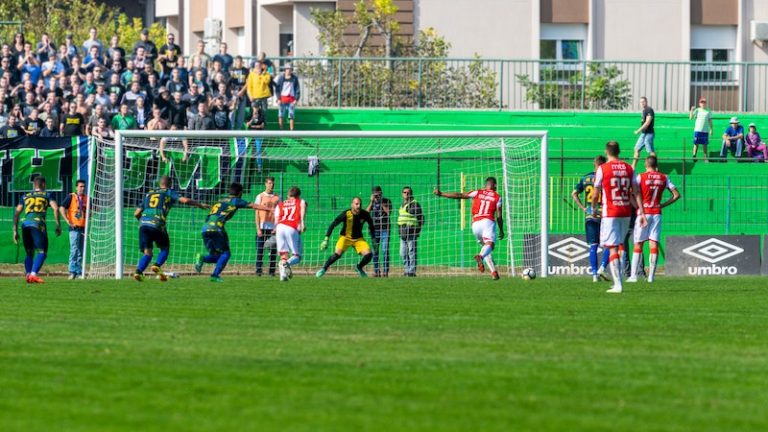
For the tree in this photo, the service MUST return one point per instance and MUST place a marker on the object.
(401, 79)
(59, 17)
(601, 88)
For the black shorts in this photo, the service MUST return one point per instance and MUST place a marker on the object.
(34, 239)
(217, 242)
(149, 236)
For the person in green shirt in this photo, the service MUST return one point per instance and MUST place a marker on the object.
(702, 128)
(124, 119)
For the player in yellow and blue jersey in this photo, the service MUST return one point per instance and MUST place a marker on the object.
(215, 236)
(592, 223)
(33, 229)
(152, 216)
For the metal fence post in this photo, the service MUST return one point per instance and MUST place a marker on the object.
(501, 85)
(420, 85)
(664, 88)
(728, 207)
(583, 84)
(338, 103)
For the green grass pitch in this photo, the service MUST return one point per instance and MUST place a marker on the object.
(343, 354)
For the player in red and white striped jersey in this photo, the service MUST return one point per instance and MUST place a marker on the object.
(651, 184)
(289, 220)
(486, 213)
(614, 186)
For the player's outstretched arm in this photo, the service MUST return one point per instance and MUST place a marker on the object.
(451, 195)
(339, 219)
(261, 207)
(16, 214)
(675, 197)
(193, 203)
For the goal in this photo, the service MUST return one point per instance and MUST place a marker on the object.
(330, 168)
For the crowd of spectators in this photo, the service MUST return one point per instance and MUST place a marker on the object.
(93, 88)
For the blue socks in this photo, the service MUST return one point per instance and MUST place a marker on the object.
(28, 264)
(221, 263)
(485, 251)
(593, 258)
(606, 255)
(37, 264)
(162, 257)
(294, 260)
(143, 263)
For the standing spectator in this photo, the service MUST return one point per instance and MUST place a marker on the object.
(98, 114)
(223, 58)
(175, 83)
(18, 44)
(129, 98)
(73, 210)
(28, 64)
(756, 148)
(70, 46)
(256, 123)
(52, 69)
(11, 129)
(103, 130)
(733, 139)
(92, 41)
(220, 113)
(93, 59)
(124, 120)
(50, 130)
(265, 227)
(3, 115)
(288, 93)
(141, 59)
(702, 128)
(141, 113)
(646, 131)
(193, 98)
(72, 123)
(177, 111)
(202, 121)
(410, 219)
(238, 76)
(200, 58)
(45, 48)
(169, 57)
(32, 124)
(157, 122)
(259, 87)
(380, 208)
(149, 47)
(115, 53)
(267, 62)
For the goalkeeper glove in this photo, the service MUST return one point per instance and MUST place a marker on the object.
(324, 244)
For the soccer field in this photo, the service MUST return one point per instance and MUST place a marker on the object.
(343, 354)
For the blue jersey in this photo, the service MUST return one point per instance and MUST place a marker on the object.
(35, 206)
(221, 212)
(586, 186)
(156, 206)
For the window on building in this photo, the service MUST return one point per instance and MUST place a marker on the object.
(286, 44)
(561, 47)
(712, 51)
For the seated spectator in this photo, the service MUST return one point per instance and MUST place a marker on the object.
(756, 148)
(257, 120)
(124, 120)
(50, 130)
(103, 130)
(733, 139)
(72, 124)
(32, 124)
(11, 129)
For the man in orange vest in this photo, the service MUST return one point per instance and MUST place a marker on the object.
(73, 209)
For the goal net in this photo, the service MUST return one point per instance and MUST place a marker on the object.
(330, 169)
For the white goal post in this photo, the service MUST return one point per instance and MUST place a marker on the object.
(349, 162)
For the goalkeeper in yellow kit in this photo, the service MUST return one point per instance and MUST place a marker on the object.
(351, 235)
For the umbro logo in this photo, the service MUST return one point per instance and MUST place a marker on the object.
(713, 250)
(570, 249)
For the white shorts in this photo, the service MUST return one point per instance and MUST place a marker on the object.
(613, 230)
(652, 230)
(484, 230)
(288, 240)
